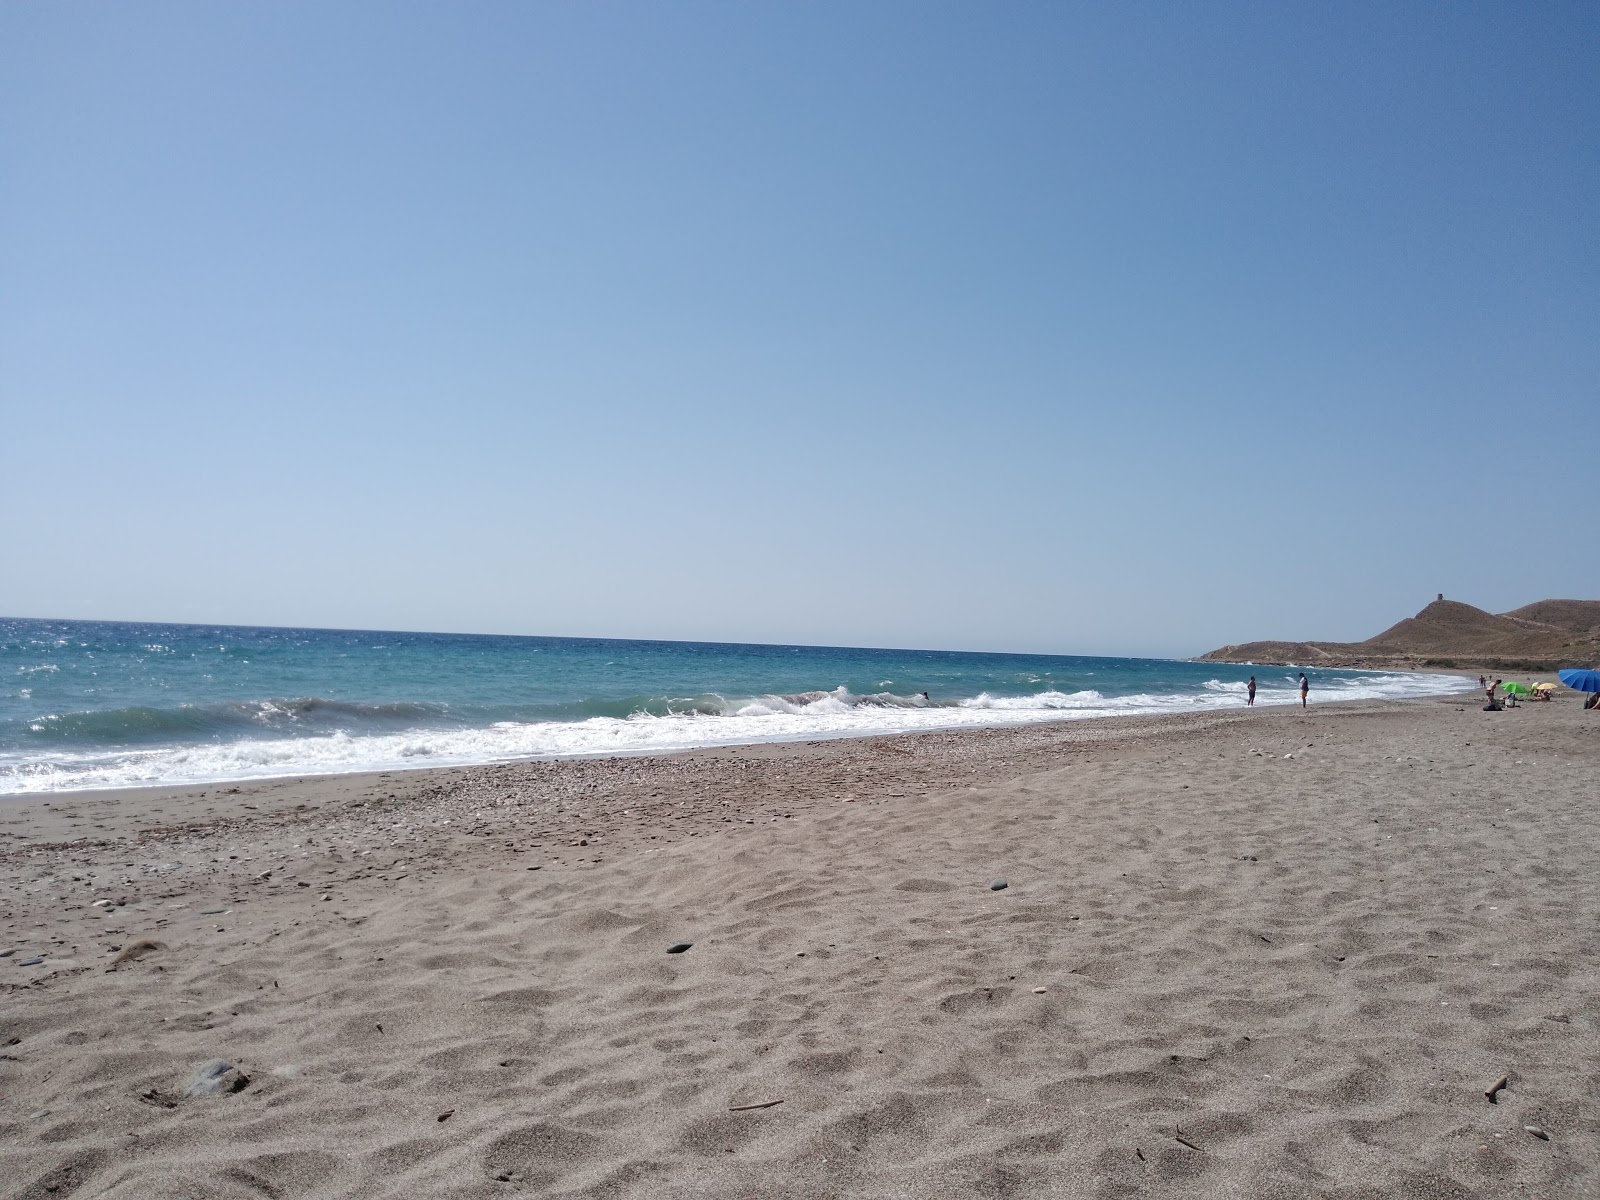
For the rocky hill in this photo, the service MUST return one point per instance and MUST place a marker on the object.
(1537, 637)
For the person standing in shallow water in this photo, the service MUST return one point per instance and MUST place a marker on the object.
(1305, 686)
(1250, 693)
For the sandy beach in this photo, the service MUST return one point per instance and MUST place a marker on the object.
(1248, 953)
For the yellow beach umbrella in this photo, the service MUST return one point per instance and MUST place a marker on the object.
(1545, 687)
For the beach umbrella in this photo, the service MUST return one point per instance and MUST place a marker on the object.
(1516, 689)
(1545, 687)
(1580, 680)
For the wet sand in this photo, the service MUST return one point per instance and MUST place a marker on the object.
(1252, 953)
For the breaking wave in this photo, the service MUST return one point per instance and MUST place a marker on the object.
(129, 747)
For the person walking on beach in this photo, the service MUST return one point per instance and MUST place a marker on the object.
(1250, 693)
(1305, 686)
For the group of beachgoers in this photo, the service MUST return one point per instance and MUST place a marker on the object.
(1250, 691)
(1541, 692)
(1495, 704)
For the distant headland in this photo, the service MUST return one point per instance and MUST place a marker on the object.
(1537, 637)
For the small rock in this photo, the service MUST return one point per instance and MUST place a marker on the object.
(39, 1115)
(216, 1078)
(1038, 991)
(29, 962)
(327, 897)
(211, 912)
(137, 950)
(104, 904)
(1535, 1131)
(8, 953)
(679, 947)
(999, 885)
(446, 1115)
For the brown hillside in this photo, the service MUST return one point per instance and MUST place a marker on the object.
(1447, 633)
(1445, 627)
(1579, 616)
(1448, 627)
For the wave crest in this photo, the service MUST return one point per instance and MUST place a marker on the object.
(312, 735)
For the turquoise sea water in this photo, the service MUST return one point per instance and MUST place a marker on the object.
(89, 704)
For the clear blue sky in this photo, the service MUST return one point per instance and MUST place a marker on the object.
(1113, 328)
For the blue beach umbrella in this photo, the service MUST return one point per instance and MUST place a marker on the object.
(1580, 680)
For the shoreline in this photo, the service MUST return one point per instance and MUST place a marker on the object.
(454, 774)
(1041, 717)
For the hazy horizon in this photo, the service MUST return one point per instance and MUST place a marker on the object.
(997, 648)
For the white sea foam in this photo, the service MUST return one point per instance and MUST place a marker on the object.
(767, 719)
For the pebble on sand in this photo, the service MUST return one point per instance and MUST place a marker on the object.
(999, 885)
(679, 947)
(137, 950)
(1535, 1131)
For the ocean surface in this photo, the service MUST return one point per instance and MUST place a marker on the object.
(90, 704)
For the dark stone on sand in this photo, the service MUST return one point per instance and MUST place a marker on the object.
(219, 1077)
(679, 947)
(137, 950)
(29, 962)
(999, 885)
